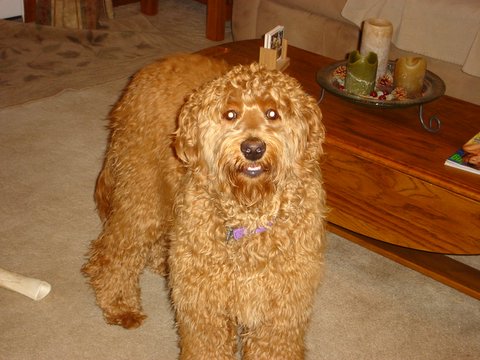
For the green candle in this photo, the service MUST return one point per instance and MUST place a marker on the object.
(361, 73)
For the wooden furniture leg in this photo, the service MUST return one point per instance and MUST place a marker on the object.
(29, 10)
(216, 10)
(149, 7)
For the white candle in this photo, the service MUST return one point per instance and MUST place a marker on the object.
(376, 37)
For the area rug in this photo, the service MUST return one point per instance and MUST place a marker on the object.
(38, 61)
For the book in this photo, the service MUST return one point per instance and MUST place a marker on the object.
(467, 157)
(274, 39)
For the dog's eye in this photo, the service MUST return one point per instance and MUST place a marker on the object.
(272, 114)
(230, 115)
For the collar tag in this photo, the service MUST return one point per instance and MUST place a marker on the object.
(238, 233)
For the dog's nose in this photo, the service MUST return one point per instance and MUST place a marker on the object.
(253, 148)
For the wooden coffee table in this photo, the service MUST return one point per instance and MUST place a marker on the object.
(386, 182)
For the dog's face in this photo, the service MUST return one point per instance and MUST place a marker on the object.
(249, 131)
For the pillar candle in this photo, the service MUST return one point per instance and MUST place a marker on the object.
(409, 74)
(376, 37)
(361, 70)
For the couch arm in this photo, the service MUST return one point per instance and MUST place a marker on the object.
(244, 19)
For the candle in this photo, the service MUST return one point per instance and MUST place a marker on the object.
(361, 70)
(376, 37)
(409, 74)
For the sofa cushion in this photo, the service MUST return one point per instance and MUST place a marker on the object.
(328, 8)
(315, 29)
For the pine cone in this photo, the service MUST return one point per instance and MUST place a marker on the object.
(399, 93)
(385, 83)
(340, 72)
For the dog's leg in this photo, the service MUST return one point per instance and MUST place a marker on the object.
(135, 223)
(206, 336)
(114, 275)
(119, 255)
(278, 342)
(283, 305)
(157, 261)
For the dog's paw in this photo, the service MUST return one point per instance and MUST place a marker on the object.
(128, 319)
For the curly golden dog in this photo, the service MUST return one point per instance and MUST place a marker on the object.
(212, 177)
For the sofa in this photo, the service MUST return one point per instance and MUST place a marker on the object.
(448, 37)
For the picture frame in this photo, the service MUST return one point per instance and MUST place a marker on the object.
(274, 39)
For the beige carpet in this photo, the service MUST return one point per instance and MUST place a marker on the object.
(51, 147)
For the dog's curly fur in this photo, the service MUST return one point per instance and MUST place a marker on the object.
(196, 149)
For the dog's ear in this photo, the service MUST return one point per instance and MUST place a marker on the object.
(186, 136)
(316, 131)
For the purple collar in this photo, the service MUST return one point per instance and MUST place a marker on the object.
(238, 233)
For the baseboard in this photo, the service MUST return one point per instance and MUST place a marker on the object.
(123, 2)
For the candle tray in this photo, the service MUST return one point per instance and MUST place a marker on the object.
(433, 88)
